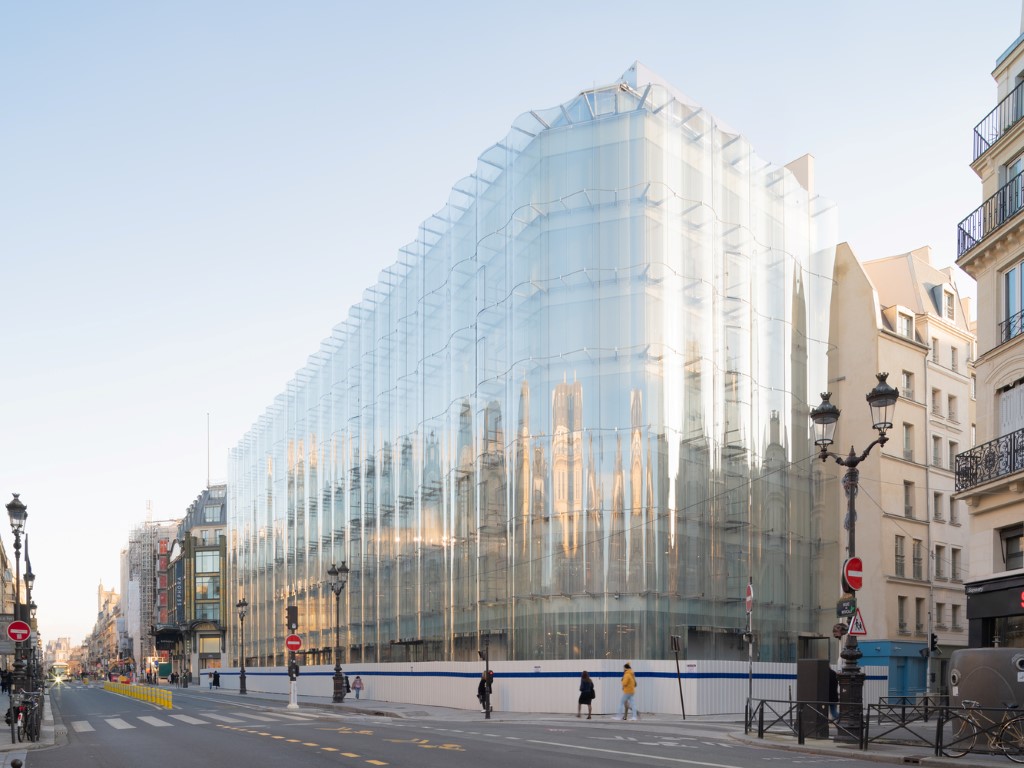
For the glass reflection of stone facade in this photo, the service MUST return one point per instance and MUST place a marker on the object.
(572, 415)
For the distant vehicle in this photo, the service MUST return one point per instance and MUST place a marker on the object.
(59, 672)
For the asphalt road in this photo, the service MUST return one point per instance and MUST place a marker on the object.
(110, 731)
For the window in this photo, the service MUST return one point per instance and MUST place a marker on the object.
(1011, 325)
(974, 385)
(936, 402)
(205, 536)
(937, 506)
(908, 385)
(908, 498)
(954, 564)
(951, 409)
(908, 442)
(936, 451)
(208, 562)
(906, 325)
(1011, 408)
(940, 615)
(947, 300)
(919, 614)
(207, 587)
(918, 558)
(955, 609)
(211, 513)
(210, 611)
(954, 358)
(1013, 552)
(954, 513)
(954, 449)
(900, 565)
(935, 350)
(940, 562)
(901, 613)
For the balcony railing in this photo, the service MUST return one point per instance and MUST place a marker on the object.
(997, 122)
(992, 214)
(989, 461)
(1011, 326)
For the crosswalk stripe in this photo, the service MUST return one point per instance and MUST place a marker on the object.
(189, 720)
(223, 718)
(257, 717)
(294, 717)
(155, 721)
(81, 726)
(117, 722)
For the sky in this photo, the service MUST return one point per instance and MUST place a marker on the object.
(193, 194)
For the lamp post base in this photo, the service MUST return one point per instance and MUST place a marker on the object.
(338, 696)
(241, 683)
(850, 727)
(293, 695)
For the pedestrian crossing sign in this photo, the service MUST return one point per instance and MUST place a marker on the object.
(857, 625)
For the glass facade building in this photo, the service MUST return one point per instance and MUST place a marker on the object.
(572, 416)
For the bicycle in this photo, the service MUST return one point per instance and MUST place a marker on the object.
(971, 720)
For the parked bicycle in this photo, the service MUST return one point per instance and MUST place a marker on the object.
(1004, 735)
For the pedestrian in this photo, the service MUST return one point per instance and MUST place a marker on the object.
(216, 680)
(587, 695)
(483, 691)
(357, 686)
(209, 678)
(628, 690)
(833, 693)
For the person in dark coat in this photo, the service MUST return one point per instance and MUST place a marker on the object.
(587, 695)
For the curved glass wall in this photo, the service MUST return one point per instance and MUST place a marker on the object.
(572, 416)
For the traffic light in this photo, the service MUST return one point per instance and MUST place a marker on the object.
(293, 617)
(934, 647)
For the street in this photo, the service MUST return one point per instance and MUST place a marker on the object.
(110, 731)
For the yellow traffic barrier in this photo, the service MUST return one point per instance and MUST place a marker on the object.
(156, 696)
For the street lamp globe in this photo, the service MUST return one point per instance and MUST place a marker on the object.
(18, 513)
(882, 400)
(825, 417)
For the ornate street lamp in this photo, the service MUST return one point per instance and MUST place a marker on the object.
(242, 606)
(336, 578)
(18, 514)
(882, 401)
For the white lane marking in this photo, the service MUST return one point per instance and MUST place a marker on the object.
(155, 721)
(81, 726)
(189, 720)
(636, 754)
(117, 722)
(257, 717)
(222, 718)
(302, 718)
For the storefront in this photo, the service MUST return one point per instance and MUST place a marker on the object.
(995, 612)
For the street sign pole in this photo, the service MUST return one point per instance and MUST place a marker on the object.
(750, 642)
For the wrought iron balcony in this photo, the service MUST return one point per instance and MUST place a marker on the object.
(990, 461)
(1007, 113)
(1011, 326)
(991, 215)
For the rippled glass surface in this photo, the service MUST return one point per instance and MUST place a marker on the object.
(572, 416)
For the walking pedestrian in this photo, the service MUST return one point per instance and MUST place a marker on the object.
(216, 680)
(483, 691)
(628, 690)
(587, 695)
(357, 686)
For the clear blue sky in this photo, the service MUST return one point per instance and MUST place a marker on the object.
(192, 194)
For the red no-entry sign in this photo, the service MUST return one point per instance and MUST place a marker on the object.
(853, 573)
(750, 598)
(293, 642)
(19, 631)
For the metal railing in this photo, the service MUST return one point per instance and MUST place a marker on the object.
(996, 123)
(990, 216)
(1011, 326)
(990, 461)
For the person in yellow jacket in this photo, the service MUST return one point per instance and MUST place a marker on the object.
(628, 689)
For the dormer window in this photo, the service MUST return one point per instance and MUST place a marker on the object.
(948, 305)
(905, 325)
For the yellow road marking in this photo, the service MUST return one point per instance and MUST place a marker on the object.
(329, 749)
(375, 762)
(350, 754)
(310, 744)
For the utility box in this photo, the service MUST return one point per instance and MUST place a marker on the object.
(994, 677)
(812, 689)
